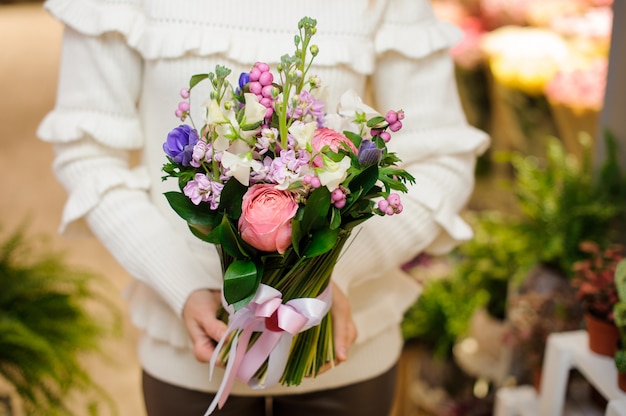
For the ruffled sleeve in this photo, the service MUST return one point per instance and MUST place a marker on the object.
(94, 126)
(410, 28)
(96, 17)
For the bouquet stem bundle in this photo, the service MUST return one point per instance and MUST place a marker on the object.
(300, 277)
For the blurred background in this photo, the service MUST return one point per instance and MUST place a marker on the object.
(547, 210)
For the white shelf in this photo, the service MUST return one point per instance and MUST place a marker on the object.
(564, 351)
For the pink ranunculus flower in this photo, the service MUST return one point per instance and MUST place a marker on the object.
(265, 221)
(331, 138)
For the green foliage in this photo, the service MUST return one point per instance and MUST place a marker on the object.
(620, 361)
(619, 309)
(563, 203)
(442, 314)
(46, 327)
(480, 271)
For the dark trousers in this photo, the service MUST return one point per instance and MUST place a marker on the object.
(368, 398)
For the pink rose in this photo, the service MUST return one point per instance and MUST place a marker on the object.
(265, 221)
(334, 140)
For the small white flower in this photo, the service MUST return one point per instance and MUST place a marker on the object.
(254, 111)
(238, 166)
(350, 103)
(215, 115)
(303, 133)
(333, 173)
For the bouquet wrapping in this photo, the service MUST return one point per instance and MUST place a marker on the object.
(277, 183)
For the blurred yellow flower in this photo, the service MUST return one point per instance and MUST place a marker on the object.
(524, 58)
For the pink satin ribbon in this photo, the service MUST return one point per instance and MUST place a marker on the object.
(277, 323)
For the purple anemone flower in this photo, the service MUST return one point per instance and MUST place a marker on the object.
(179, 144)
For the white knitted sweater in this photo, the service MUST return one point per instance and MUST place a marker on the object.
(124, 62)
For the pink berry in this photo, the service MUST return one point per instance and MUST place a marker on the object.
(389, 211)
(184, 93)
(395, 126)
(266, 78)
(306, 180)
(400, 115)
(269, 112)
(255, 87)
(262, 66)
(385, 136)
(179, 113)
(394, 200)
(391, 117)
(255, 73)
(337, 195)
(383, 205)
(267, 90)
(340, 204)
(315, 182)
(183, 106)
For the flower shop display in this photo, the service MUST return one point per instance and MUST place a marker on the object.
(531, 52)
(619, 314)
(521, 60)
(594, 281)
(543, 304)
(277, 184)
(576, 97)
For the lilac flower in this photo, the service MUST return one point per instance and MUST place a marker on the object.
(202, 152)
(308, 107)
(369, 154)
(180, 143)
(267, 138)
(203, 189)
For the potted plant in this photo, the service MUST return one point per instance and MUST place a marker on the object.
(619, 314)
(51, 315)
(594, 281)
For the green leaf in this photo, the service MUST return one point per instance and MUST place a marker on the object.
(231, 197)
(229, 240)
(335, 218)
(316, 209)
(210, 236)
(196, 79)
(372, 122)
(356, 139)
(193, 214)
(296, 235)
(241, 281)
(365, 180)
(321, 242)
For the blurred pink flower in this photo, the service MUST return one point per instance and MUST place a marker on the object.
(594, 23)
(467, 53)
(581, 88)
(497, 13)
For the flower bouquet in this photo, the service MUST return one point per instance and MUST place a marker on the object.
(277, 184)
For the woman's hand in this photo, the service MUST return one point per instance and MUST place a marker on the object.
(200, 317)
(344, 330)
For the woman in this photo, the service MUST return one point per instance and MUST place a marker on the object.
(124, 62)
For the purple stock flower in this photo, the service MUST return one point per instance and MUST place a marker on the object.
(203, 189)
(369, 154)
(179, 144)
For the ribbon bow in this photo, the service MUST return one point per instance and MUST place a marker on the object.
(277, 322)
